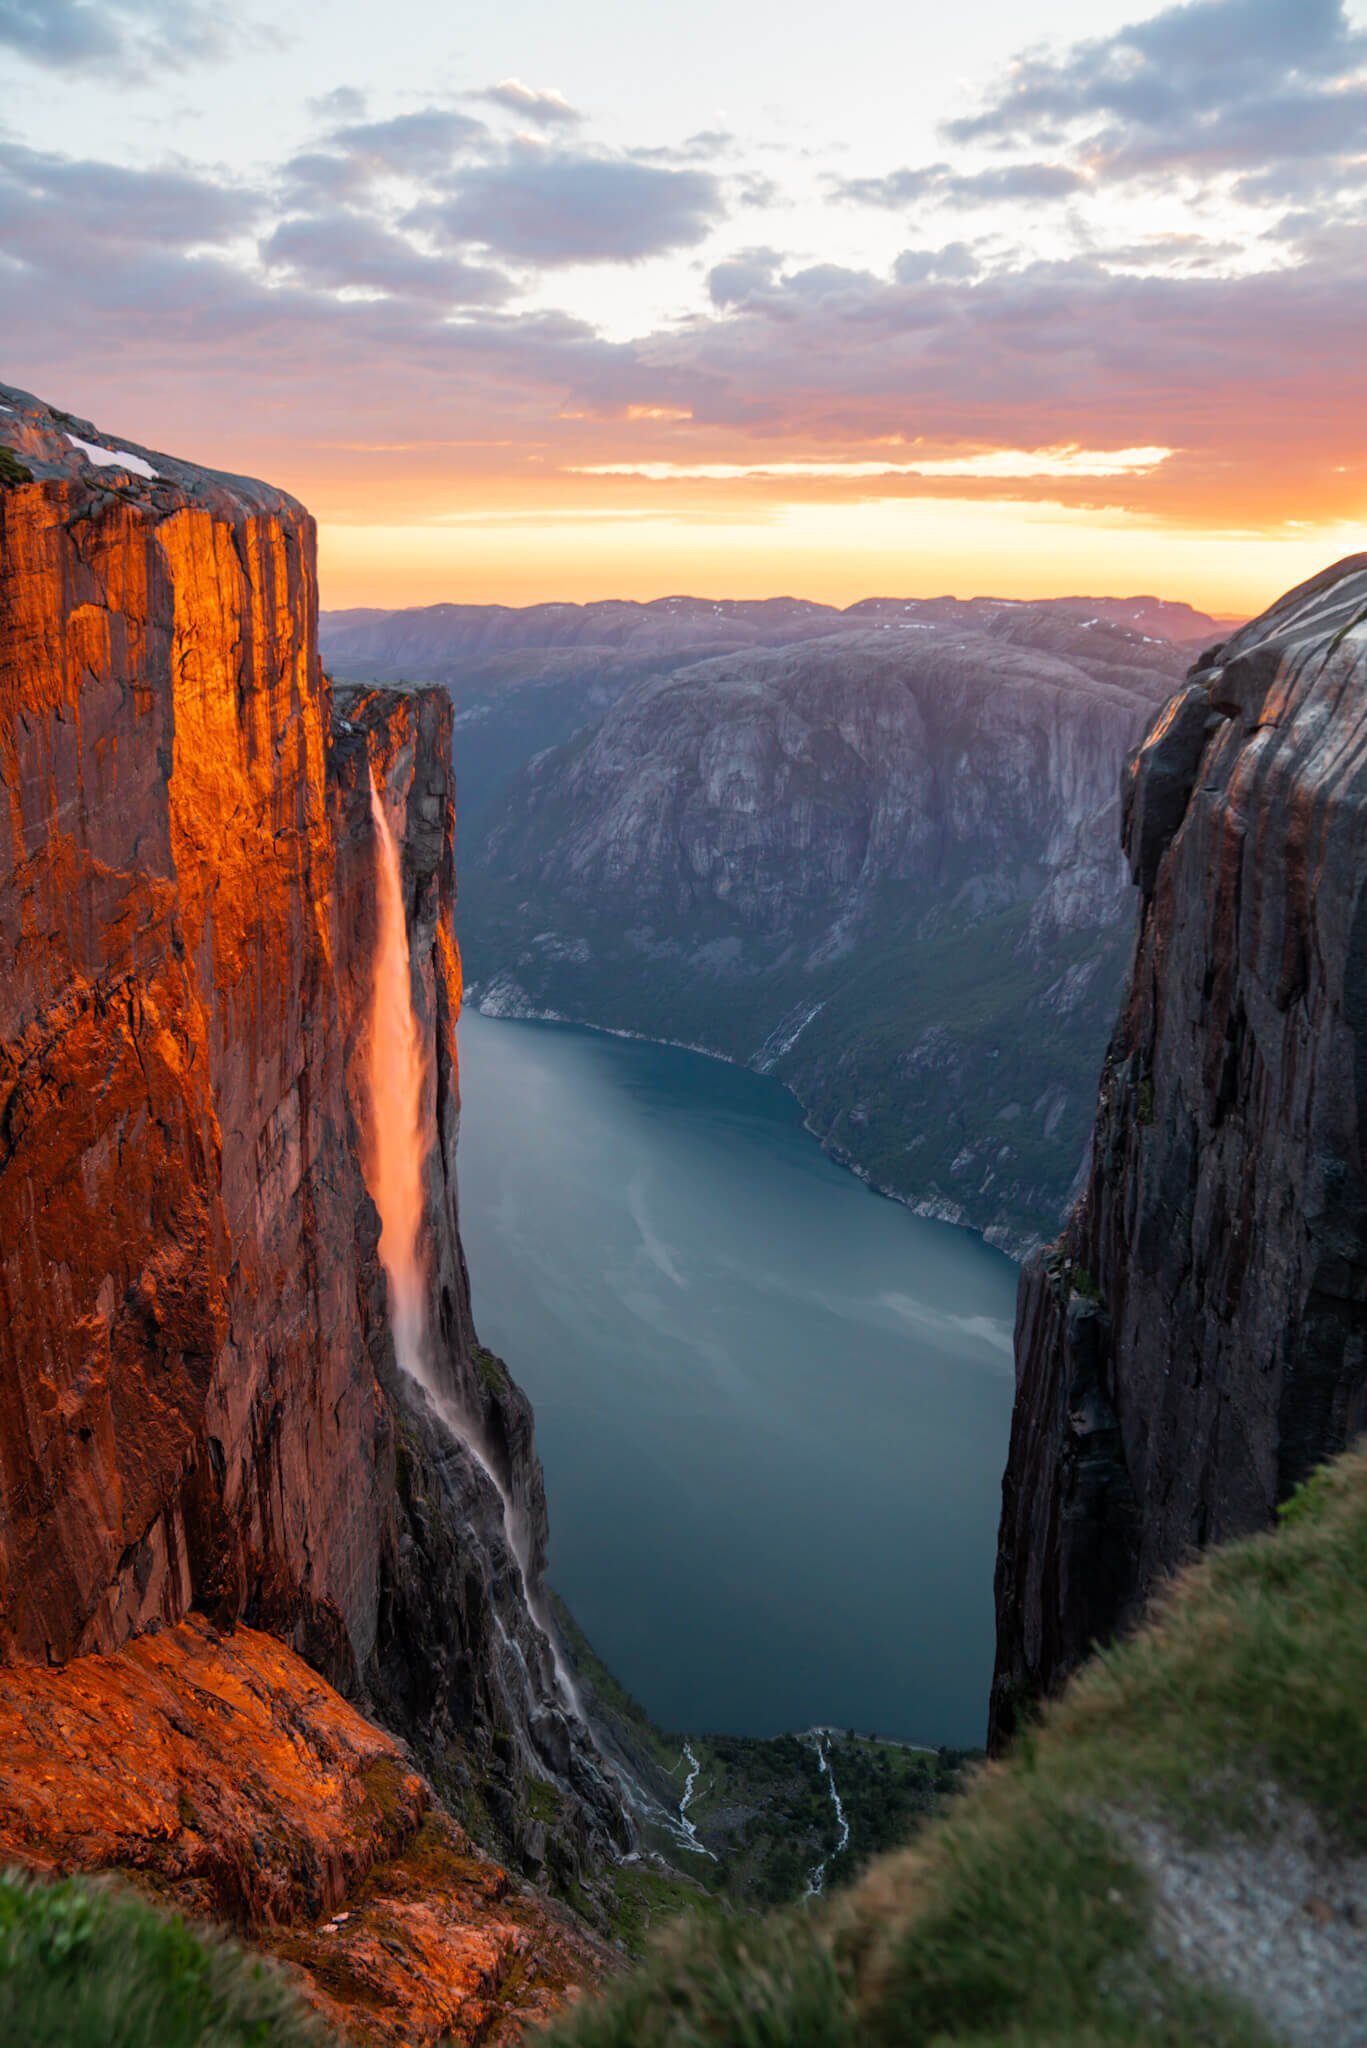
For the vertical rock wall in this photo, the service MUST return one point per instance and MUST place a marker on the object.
(199, 1405)
(1197, 1341)
(188, 1408)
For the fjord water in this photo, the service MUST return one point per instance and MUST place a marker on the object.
(772, 1407)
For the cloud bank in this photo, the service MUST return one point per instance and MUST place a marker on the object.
(390, 290)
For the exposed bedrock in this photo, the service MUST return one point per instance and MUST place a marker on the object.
(199, 1401)
(1195, 1343)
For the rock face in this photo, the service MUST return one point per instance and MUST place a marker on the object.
(879, 864)
(272, 1806)
(1198, 1339)
(199, 1401)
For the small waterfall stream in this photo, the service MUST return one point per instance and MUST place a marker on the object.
(688, 1832)
(816, 1883)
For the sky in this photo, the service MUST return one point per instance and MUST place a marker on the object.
(535, 301)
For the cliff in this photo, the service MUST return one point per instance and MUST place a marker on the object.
(201, 1409)
(1195, 1342)
(878, 864)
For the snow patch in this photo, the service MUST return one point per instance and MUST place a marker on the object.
(113, 458)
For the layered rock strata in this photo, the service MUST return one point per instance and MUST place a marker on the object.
(1197, 1341)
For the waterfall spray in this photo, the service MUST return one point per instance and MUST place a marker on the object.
(397, 1081)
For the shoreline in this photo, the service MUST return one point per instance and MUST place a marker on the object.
(934, 1209)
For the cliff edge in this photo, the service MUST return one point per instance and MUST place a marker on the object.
(201, 1409)
(1195, 1342)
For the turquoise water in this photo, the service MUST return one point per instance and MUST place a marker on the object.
(772, 1407)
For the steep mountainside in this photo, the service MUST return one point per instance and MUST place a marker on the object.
(522, 680)
(880, 865)
(1198, 1339)
(200, 1406)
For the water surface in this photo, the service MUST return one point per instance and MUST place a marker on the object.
(772, 1406)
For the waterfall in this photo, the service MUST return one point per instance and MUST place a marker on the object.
(397, 1081)
(816, 1883)
(397, 1078)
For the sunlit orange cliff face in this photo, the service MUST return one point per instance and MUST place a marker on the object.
(201, 1424)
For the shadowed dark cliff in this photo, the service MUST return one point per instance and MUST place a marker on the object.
(1197, 1340)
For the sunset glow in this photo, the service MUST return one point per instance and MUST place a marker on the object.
(907, 317)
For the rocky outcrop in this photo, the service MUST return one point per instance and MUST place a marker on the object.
(221, 1774)
(880, 865)
(200, 1407)
(1198, 1339)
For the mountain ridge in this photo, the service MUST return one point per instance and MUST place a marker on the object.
(852, 862)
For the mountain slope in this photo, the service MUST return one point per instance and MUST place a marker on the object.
(858, 863)
(525, 679)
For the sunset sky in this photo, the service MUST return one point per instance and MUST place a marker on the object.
(536, 301)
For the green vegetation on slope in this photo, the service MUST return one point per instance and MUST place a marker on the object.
(938, 1060)
(761, 1806)
(1026, 1916)
(88, 1965)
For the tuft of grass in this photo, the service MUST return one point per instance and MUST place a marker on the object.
(543, 1801)
(492, 1370)
(1020, 1919)
(88, 1965)
(12, 470)
(757, 1984)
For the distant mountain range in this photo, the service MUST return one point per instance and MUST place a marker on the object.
(873, 851)
(447, 639)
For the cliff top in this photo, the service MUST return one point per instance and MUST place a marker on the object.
(40, 443)
(1328, 603)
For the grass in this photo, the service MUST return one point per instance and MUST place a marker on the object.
(88, 1965)
(12, 470)
(492, 1370)
(543, 1801)
(1019, 1920)
(646, 1897)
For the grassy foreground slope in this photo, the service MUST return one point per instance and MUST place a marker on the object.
(1175, 1853)
(89, 1965)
